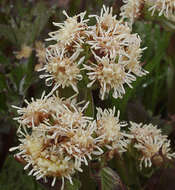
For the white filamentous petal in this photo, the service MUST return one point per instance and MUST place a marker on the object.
(164, 7)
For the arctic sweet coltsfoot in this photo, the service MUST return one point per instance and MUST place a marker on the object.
(58, 136)
(113, 51)
(60, 140)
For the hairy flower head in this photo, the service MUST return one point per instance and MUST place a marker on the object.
(71, 32)
(44, 158)
(56, 145)
(110, 76)
(54, 111)
(131, 9)
(140, 130)
(35, 111)
(106, 20)
(153, 146)
(116, 53)
(109, 128)
(63, 70)
(82, 144)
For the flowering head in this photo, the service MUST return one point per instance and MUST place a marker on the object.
(71, 32)
(44, 158)
(35, 112)
(82, 144)
(131, 10)
(152, 145)
(109, 129)
(62, 70)
(110, 76)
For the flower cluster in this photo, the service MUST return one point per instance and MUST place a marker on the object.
(116, 54)
(62, 69)
(71, 33)
(153, 146)
(113, 54)
(109, 128)
(57, 138)
(132, 9)
(63, 59)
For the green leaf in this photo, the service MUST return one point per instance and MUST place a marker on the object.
(3, 100)
(110, 180)
(2, 82)
(4, 59)
(75, 186)
(13, 177)
(88, 97)
(42, 13)
(7, 32)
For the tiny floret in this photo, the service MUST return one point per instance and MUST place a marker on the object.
(25, 52)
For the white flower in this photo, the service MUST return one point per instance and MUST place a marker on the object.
(66, 118)
(131, 59)
(35, 111)
(82, 144)
(152, 145)
(139, 131)
(112, 39)
(108, 36)
(109, 130)
(63, 70)
(71, 32)
(56, 145)
(149, 147)
(66, 112)
(110, 75)
(45, 159)
(106, 20)
(131, 9)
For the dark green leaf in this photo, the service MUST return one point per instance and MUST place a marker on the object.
(13, 177)
(7, 32)
(75, 186)
(110, 180)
